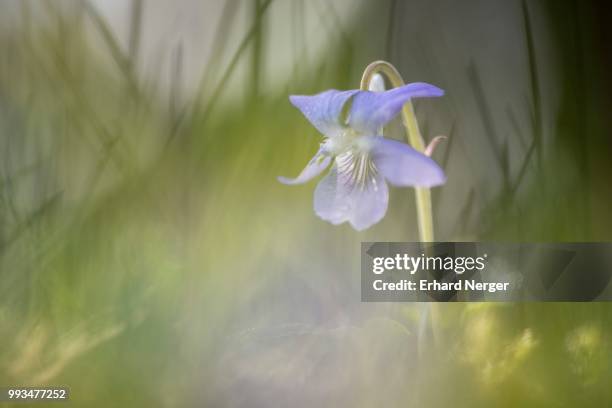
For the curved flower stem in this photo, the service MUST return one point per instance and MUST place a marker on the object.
(423, 195)
(413, 135)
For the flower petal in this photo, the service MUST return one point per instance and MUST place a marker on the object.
(314, 167)
(377, 83)
(403, 166)
(372, 110)
(324, 110)
(338, 198)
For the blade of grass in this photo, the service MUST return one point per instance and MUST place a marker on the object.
(535, 84)
(516, 128)
(523, 170)
(256, 50)
(448, 145)
(229, 70)
(391, 29)
(135, 31)
(489, 127)
(464, 215)
(218, 46)
(121, 59)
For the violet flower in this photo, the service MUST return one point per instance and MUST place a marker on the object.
(355, 189)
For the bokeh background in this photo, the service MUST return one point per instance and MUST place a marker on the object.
(149, 257)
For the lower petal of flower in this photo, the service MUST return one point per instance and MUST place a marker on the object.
(353, 191)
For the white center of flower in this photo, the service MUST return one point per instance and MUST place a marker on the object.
(348, 141)
(351, 151)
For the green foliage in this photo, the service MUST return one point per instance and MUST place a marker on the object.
(148, 256)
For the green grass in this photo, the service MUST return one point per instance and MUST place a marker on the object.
(148, 256)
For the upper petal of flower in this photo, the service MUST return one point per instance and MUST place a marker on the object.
(372, 110)
(324, 110)
(403, 166)
(314, 167)
(340, 197)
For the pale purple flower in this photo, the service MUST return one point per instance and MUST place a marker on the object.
(355, 190)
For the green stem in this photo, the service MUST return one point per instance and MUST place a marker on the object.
(423, 195)
(413, 135)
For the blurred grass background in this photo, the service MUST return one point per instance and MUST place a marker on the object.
(148, 257)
